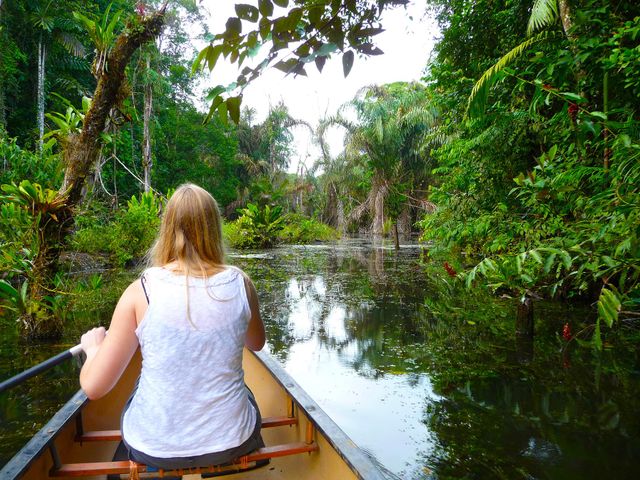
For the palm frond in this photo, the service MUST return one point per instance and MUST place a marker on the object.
(71, 43)
(543, 14)
(480, 92)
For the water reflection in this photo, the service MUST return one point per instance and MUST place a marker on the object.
(433, 381)
(428, 378)
(342, 322)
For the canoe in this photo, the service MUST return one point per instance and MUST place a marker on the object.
(302, 442)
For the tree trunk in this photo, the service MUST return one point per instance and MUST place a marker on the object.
(524, 318)
(147, 161)
(80, 155)
(524, 331)
(564, 10)
(395, 234)
(83, 149)
(340, 220)
(379, 193)
(404, 220)
(42, 57)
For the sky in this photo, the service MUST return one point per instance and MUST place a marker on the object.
(407, 43)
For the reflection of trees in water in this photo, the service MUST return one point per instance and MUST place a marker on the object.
(506, 428)
(377, 293)
(26, 408)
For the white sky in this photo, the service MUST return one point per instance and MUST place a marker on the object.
(407, 42)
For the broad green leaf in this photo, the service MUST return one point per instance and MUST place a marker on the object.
(265, 28)
(347, 62)
(212, 56)
(574, 97)
(281, 3)
(215, 103)
(233, 27)
(286, 66)
(266, 7)
(215, 91)
(7, 290)
(247, 12)
(201, 56)
(369, 49)
(320, 61)
(233, 107)
(315, 14)
(294, 17)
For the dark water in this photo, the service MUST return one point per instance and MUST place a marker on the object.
(423, 375)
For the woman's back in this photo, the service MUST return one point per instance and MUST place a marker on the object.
(191, 397)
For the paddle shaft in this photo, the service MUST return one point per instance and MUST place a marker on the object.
(41, 367)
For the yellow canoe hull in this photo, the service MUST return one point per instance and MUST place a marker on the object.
(277, 394)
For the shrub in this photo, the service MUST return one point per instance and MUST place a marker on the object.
(264, 229)
(257, 227)
(128, 237)
(302, 230)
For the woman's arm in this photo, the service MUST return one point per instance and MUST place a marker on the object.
(255, 337)
(109, 355)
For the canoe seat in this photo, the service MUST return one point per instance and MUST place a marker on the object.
(116, 435)
(247, 462)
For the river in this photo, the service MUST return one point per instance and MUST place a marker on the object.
(422, 374)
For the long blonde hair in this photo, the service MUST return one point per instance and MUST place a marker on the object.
(190, 233)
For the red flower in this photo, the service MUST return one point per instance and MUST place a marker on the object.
(140, 8)
(566, 332)
(450, 270)
(572, 111)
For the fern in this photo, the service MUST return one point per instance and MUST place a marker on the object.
(543, 14)
(480, 92)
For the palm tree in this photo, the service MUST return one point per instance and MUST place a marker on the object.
(388, 140)
(544, 14)
(53, 25)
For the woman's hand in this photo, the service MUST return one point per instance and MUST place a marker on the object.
(92, 340)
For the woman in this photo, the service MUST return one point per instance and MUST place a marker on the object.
(191, 315)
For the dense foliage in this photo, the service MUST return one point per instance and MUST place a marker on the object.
(154, 139)
(520, 147)
(541, 182)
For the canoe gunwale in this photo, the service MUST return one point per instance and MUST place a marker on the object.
(360, 463)
(45, 436)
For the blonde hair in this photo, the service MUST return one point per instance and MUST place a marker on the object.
(190, 233)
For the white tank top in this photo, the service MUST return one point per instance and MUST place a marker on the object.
(191, 397)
